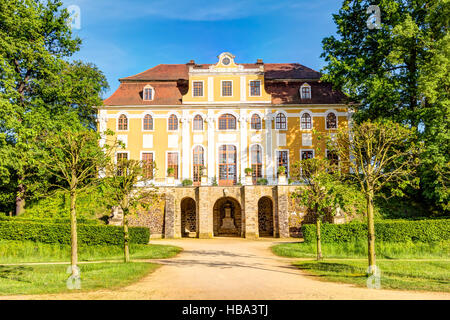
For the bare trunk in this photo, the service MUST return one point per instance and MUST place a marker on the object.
(126, 236)
(73, 232)
(371, 232)
(318, 236)
(20, 199)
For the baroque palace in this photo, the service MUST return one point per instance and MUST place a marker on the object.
(209, 124)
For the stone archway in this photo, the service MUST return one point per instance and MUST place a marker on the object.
(265, 217)
(188, 218)
(227, 218)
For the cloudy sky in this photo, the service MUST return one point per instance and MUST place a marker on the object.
(127, 37)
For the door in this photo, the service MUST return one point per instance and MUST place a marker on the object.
(198, 163)
(227, 165)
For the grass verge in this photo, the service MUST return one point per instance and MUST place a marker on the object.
(404, 275)
(358, 249)
(48, 279)
(28, 252)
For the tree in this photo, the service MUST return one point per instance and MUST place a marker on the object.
(130, 189)
(378, 154)
(324, 191)
(74, 158)
(400, 72)
(38, 87)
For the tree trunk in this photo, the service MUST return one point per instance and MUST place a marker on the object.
(73, 232)
(371, 232)
(126, 236)
(318, 236)
(20, 199)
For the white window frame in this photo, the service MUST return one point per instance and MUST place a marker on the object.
(302, 150)
(262, 121)
(154, 160)
(178, 119)
(128, 122)
(234, 114)
(312, 119)
(178, 163)
(337, 119)
(193, 120)
(263, 167)
(288, 161)
(205, 158)
(301, 91)
(275, 120)
(117, 152)
(250, 88)
(153, 93)
(203, 88)
(238, 163)
(153, 118)
(232, 88)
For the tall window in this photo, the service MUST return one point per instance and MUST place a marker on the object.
(121, 157)
(256, 122)
(283, 160)
(198, 123)
(123, 122)
(331, 121)
(148, 93)
(306, 121)
(281, 122)
(307, 154)
(147, 165)
(255, 88)
(173, 123)
(305, 92)
(227, 122)
(198, 163)
(333, 158)
(148, 122)
(227, 165)
(256, 154)
(172, 162)
(227, 88)
(198, 88)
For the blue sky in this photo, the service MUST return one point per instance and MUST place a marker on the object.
(127, 37)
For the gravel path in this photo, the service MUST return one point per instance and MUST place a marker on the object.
(239, 269)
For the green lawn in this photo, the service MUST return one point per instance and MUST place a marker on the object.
(404, 275)
(27, 251)
(405, 266)
(47, 279)
(358, 249)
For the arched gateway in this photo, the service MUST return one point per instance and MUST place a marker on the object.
(188, 218)
(227, 218)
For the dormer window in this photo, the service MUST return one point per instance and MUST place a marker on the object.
(148, 93)
(305, 91)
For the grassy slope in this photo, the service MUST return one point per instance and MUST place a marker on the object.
(47, 279)
(397, 272)
(27, 251)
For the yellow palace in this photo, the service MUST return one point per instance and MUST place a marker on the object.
(209, 122)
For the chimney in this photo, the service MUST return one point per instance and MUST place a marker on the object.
(191, 63)
(259, 61)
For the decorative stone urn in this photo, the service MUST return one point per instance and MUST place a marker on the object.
(228, 226)
(282, 179)
(248, 180)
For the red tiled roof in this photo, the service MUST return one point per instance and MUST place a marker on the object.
(162, 72)
(130, 93)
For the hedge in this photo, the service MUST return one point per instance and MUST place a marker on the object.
(60, 233)
(50, 220)
(389, 231)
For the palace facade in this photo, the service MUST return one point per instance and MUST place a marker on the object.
(208, 123)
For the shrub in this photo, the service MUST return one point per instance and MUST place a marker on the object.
(51, 220)
(262, 182)
(387, 231)
(248, 171)
(187, 183)
(60, 233)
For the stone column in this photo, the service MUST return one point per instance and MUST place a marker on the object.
(185, 145)
(205, 213)
(243, 151)
(211, 145)
(169, 219)
(250, 212)
(282, 205)
(269, 149)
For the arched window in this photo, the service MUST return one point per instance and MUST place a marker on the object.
(148, 93)
(281, 122)
(123, 123)
(198, 163)
(305, 91)
(306, 121)
(227, 122)
(256, 122)
(198, 123)
(331, 121)
(173, 123)
(148, 122)
(256, 157)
